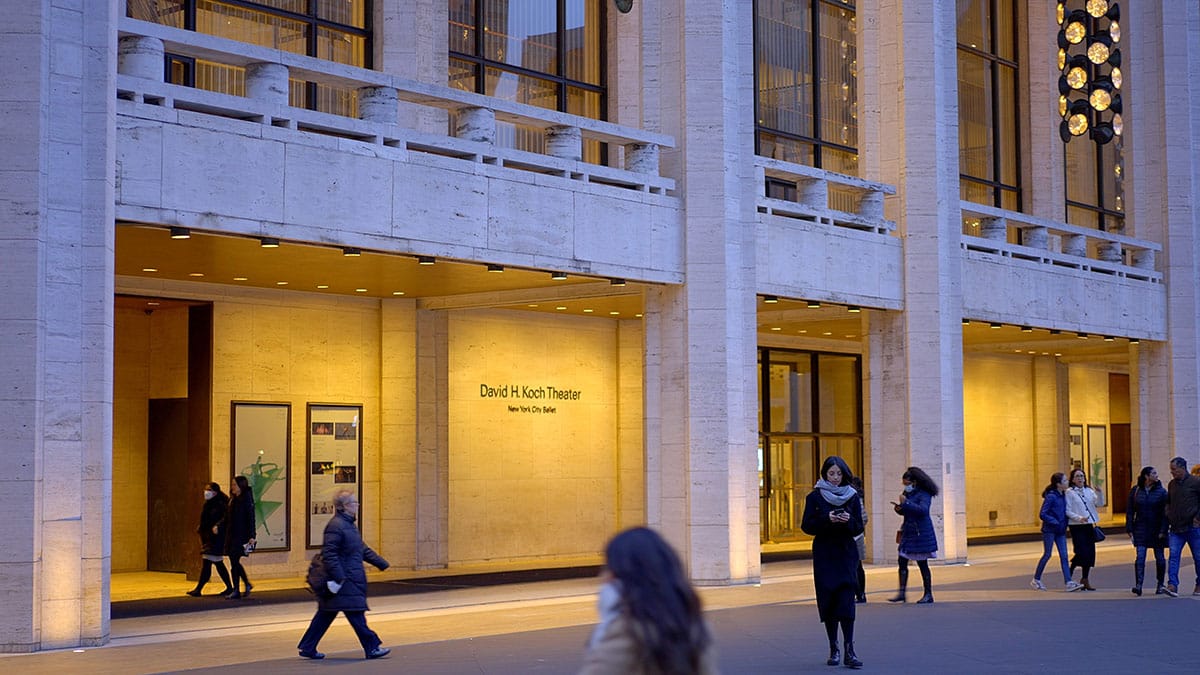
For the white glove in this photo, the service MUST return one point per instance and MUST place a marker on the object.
(333, 586)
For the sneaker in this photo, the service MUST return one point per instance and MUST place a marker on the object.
(1074, 586)
(1037, 585)
(1172, 591)
(1196, 591)
(1161, 590)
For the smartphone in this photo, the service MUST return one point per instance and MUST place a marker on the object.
(838, 512)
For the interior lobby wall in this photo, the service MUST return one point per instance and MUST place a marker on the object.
(998, 430)
(1089, 406)
(533, 456)
(150, 361)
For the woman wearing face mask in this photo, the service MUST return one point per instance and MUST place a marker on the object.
(1082, 519)
(1146, 523)
(212, 538)
(917, 539)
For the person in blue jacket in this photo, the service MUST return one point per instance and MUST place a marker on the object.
(1054, 531)
(917, 539)
(1146, 524)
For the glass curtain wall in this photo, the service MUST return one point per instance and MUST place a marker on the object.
(547, 53)
(334, 30)
(810, 407)
(806, 79)
(1095, 183)
(988, 133)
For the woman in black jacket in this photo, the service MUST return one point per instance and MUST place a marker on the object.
(343, 551)
(833, 516)
(239, 531)
(1146, 524)
(212, 538)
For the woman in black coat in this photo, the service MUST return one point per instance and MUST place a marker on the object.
(239, 531)
(212, 538)
(343, 551)
(1146, 524)
(833, 516)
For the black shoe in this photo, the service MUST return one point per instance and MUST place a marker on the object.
(926, 599)
(314, 655)
(233, 596)
(247, 591)
(195, 592)
(1161, 590)
(378, 653)
(835, 656)
(899, 597)
(862, 599)
(1137, 590)
(227, 591)
(850, 660)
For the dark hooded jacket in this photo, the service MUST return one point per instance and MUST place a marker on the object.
(344, 552)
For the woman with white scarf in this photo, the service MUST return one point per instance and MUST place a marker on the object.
(833, 516)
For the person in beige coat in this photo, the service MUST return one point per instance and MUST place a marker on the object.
(650, 616)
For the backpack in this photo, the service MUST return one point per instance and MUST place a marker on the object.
(317, 576)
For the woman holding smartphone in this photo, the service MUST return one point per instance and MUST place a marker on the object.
(918, 541)
(832, 515)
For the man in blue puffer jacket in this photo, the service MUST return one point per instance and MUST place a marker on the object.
(343, 551)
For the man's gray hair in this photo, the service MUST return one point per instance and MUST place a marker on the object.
(342, 498)
(1179, 462)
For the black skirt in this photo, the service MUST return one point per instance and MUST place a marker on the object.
(1083, 540)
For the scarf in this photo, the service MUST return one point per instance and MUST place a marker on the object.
(834, 494)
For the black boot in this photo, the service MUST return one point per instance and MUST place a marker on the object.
(835, 654)
(1139, 574)
(1160, 571)
(899, 597)
(224, 573)
(850, 660)
(927, 583)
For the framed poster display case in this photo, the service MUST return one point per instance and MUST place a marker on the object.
(261, 450)
(334, 462)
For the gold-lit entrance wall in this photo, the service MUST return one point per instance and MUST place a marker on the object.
(150, 361)
(533, 475)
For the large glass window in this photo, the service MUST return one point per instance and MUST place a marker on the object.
(988, 134)
(810, 407)
(1095, 184)
(334, 30)
(806, 80)
(547, 53)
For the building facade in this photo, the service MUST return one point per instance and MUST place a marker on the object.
(525, 274)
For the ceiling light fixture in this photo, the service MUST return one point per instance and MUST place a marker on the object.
(854, 309)
(616, 282)
(425, 260)
(322, 286)
(558, 276)
(397, 292)
(351, 252)
(495, 268)
(268, 242)
(813, 304)
(1055, 331)
(1134, 341)
(149, 269)
(966, 322)
(1026, 329)
(1109, 338)
(770, 299)
(1081, 336)
(241, 279)
(995, 325)
(180, 233)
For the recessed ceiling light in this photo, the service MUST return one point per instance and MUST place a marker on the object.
(425, 260)
(397, 292)
(614, 313)
(827, 333)
(180, 233)
(196, 274)
(588, 310)
(770, 299)
(153, 304)
(149, 269)
(1058, 353)
(813, 304)
(322, 286)
(351, 252)
(240, 279)
(281, 283)
(638, 315)
(558, 276)
(802, 331)
(360, 290)
(616, 282)
(531, 305)
(495, 268)
(850, 335)
(776, 328)
(268, 242)
(854, 309)
(561, 307)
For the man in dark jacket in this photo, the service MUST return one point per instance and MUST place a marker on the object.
(344, 552)
(1183, 515)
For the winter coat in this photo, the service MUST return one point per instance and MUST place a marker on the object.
(1146, 516)
(614, 646)
(916, 533)
(344, 552)
(239, 524)
(213, 515)
(1054, 513)
(834, 553)
(1081, 506)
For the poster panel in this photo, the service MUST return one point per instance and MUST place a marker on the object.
(261, 451)
(1097, 469)
(1075, 437)
(334, 462)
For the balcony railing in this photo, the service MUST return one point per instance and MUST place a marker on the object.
(634, 152)
(822, 197)
(1053, 243)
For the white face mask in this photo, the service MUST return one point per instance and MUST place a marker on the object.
(909, 488)
(209, 494)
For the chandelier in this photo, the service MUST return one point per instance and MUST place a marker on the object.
(1089, 98)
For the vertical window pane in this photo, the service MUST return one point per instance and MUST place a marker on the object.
(1007, 141)
(974, 117)
(789, 150)
(838, 393)
(462, 27)
(345, 12)
(165, 12)
(341, 47)
(974, 24)
(522, 33)
(581, 44)
(245, 25)
(791, 392)
(462, 75)
(1081, 172)
(785, 66)
(838, 77)
(1083, 217)
(521, 88)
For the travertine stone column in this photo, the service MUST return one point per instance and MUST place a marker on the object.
(399, 502)
(1036, 237)
(267, 82)
(141, 57)
(378, 104)
(564, 142)
(702, 480)
(56, 322)
(642, 158)
(433, 440)
(476, 124)
(918, 75)
(1075, 244)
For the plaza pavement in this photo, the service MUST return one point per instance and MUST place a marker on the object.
(986, 619)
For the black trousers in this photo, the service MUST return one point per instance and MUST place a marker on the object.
(321, 622)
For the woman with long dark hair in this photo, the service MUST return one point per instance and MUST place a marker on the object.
(1054, 530)
(212, 539)
(650, 616)
(1082, 519)
(833, 516)
(918, 541)
(1146, 524)
(239, 531)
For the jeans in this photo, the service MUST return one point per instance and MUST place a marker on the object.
(1176, 540)
(323, 618)
(1050, 539)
